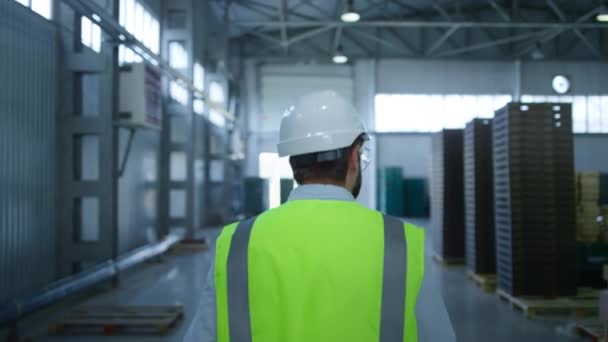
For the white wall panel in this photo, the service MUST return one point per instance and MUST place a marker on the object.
(412, 152)
(402, 76)
(281, 86)
(28, 155)
(587, 78)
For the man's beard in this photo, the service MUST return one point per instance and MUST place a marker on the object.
(358, 182)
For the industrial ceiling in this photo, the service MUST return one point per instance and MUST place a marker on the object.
(465, 29)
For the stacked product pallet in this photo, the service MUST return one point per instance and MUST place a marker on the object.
(479, 197)
(534, 200)
(447, 207)
(587, 208)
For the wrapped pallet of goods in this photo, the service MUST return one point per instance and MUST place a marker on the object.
(604, 223)
(447, 196)
(534, 199)
(587, 208)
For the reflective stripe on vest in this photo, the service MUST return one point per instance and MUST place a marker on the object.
(393, 283)
(238, 283)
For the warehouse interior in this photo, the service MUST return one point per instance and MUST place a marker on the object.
(132, 131)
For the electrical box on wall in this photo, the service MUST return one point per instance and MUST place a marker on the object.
(140, 96)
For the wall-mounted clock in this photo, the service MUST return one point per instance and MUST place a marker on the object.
(561, 84)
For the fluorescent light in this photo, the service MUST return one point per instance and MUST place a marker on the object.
(340, 59)
(603, 17)
(350, 17)
(537, 54)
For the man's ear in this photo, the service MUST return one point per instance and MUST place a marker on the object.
(353, 160)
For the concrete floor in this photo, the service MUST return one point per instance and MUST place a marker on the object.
(476, 316)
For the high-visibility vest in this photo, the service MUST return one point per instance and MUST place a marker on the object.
(318, 270)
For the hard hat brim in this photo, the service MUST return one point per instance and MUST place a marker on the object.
(321, 142)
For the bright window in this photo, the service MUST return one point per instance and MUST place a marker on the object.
(217, 96)
(142, 24)
(199, 76)
(199, 83)
(178, 93)
(90, 34)
(589, 113)
(178, 56)
(42, 7)
(274, 169)
(430, 113)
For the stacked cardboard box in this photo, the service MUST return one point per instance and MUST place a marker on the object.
(587, 208)
(603, 224)
(447, 199)
(479, 197)
(534, 199)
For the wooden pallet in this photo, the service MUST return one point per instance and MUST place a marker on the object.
(591, 328)
(118, 320)
(487, 282)
(446, 262)
(584, 304)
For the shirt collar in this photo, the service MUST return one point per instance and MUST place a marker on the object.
(321, 192)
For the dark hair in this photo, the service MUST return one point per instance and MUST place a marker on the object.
(334, 170)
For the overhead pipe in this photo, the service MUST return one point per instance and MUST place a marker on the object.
(12, 311)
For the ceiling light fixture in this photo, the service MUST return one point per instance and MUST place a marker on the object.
(339, 57)
(602, 14)
(537, 53)
(350, 15)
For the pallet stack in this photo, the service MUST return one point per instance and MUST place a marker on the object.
(447, 207)
(534, 200)
(479, 197)
(587, 208)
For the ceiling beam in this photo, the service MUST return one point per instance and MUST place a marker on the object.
(309, 34)
(415, 12)
(356, 42)
(283, 17)
(505, 50)
(338, 34)
(559, 30)
(404, 42)
(448, 33)
(380, 41)
(492, 43)
(274, 9)
(316, 7)
(501, 12)
(562, 17)
(446, 16)
(256, 10)
(420, 24)
(265, 37)
(391, 30)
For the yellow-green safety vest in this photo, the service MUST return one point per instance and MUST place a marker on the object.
(318, 270)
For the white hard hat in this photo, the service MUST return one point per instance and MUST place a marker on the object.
(318, 122)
